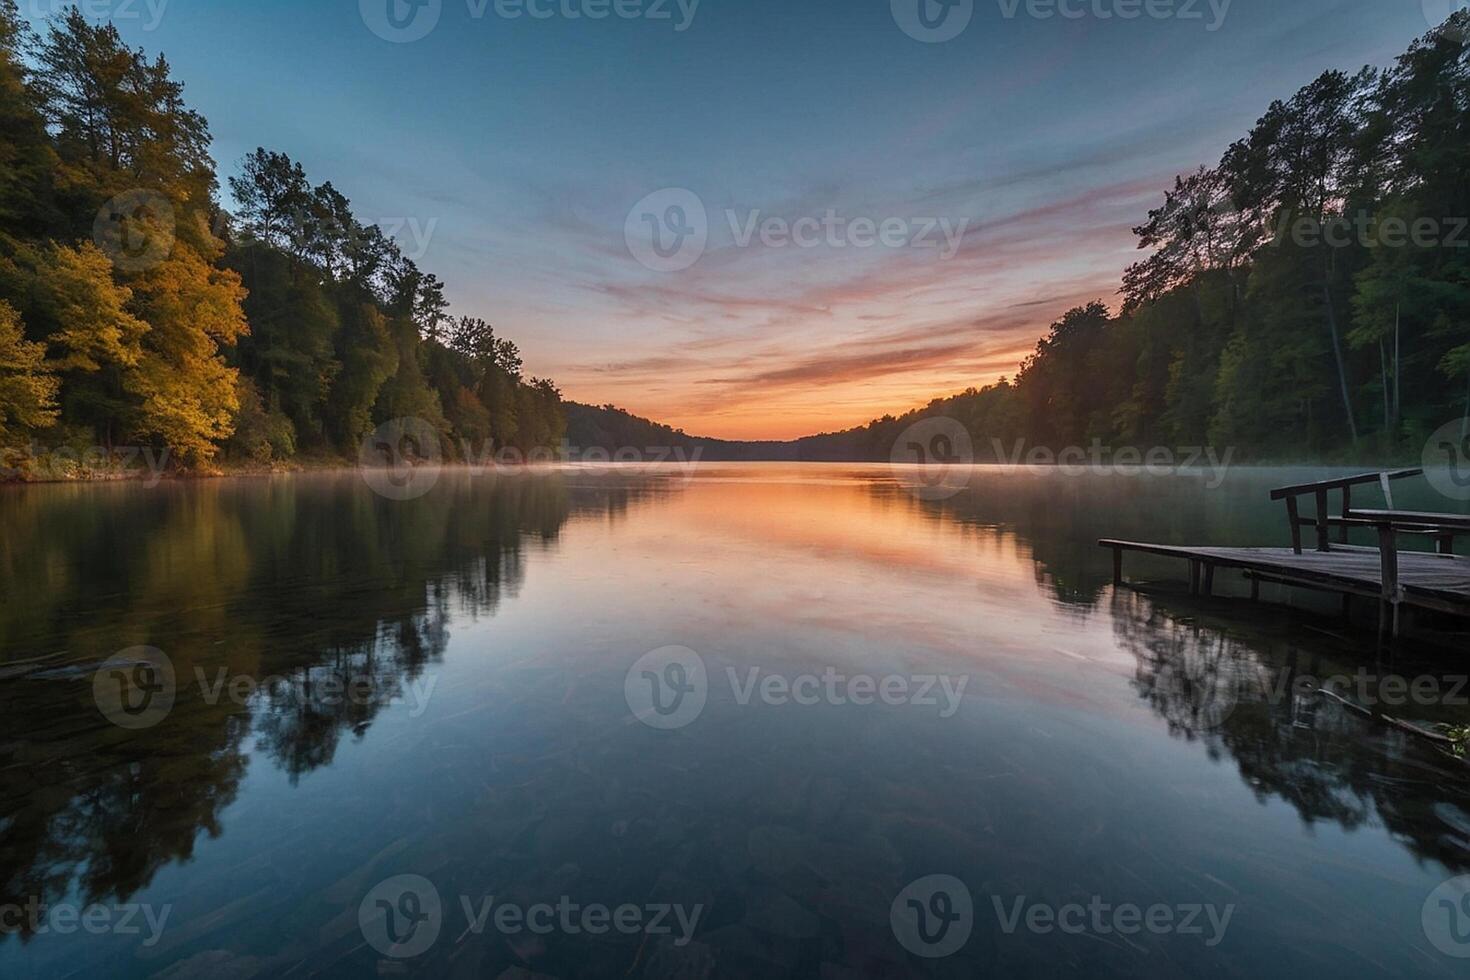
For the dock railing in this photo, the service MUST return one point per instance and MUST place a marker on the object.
(1444, 528)
(1323, 520)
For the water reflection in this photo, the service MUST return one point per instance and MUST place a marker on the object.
(1255, 699)
(527, 776)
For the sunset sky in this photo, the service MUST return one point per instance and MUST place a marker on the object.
(516, 148)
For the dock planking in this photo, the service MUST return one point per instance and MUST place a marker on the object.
(1438, 581)
(1396, 578)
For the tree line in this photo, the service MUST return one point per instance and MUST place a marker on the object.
(1306, 297)
(135, 309)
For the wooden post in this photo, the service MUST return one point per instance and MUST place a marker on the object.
(1193, 577)
(1117, 566)
(1322, 537)
(1255, 588)
(1445, 544)
(1209, 578)
(1347, 505)
(1293, 517)
(1388, 557)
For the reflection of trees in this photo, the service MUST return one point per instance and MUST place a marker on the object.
(1325, 760)
(1057, 517)
(1192, 677)
(312, 586)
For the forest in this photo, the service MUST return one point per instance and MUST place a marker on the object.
(1306, 298)
(135, 310)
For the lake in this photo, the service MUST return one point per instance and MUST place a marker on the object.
(742, 720)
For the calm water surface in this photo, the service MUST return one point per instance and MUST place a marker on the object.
(1109, 746)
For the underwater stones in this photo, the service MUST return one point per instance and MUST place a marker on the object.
(214, 964)
(781, 915)
(673, 888)
(521, 973)
(828, 794)
(744, 951)
(788, 794)
(692, 961)
(775, 850)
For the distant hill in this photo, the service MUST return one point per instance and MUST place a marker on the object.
(610, 428)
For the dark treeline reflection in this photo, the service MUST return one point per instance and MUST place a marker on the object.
(1251, 698)
(1058, 515)
(307, 586)
(1233, 677)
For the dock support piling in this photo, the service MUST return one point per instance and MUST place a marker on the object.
(1293, 517)
(1323, 542)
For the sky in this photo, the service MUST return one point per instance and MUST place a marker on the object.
(858, 205)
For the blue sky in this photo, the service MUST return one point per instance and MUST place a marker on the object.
(515, 148)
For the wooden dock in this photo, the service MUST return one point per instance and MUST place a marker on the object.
(1395, 578)
(1430, 581)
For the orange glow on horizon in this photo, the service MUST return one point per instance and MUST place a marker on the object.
(793, 413)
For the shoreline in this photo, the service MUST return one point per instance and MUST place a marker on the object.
(324, 466)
